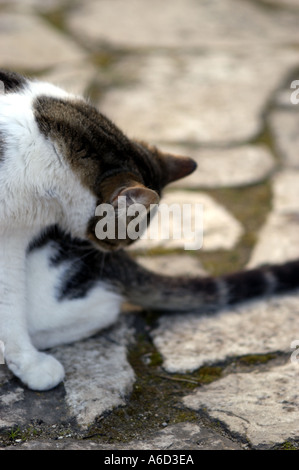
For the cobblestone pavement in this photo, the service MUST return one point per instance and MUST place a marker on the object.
(212, 79)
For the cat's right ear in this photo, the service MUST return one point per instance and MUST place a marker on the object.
(177, 167)
(11, 81)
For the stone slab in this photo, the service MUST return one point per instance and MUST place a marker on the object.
(98, 378)
(75, 77)
(182, 23)
(98, 375)
(278, 239)
(225, 167)
(282, 3)
(287, 97)
(29, 43)
(34, 5)
(187, 342)
(284, 124)
(210, 226)
(211, 97)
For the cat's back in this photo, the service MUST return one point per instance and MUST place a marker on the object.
(25, 153)
(18, 125)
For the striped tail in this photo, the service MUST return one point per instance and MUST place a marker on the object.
(181, 294)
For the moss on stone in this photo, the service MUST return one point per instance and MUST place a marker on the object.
(254, 359)
(289, 446)
(104, 58)
(208, 374)
(56, 18)
(250, 205)
(154, 402)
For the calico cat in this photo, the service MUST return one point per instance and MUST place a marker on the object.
(60, 158)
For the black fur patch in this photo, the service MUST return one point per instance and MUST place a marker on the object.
(254, 283)
(13, 81)
(286, 275)
(81, 261)
(245, 285)
(85, 266)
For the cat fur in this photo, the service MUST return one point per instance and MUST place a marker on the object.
(59, 159)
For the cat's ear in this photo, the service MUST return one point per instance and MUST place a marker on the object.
(136, 195)
(11, 81)
(177, 167)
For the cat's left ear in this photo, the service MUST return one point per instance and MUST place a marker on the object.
(177, 167)
(138, 194)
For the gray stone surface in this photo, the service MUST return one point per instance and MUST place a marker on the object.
(225, 167)
(98, 378)
(261, 327)
(205, 224)
(183, 23)
(182, 436)
(36, 5)
(213, 79)
(260, 406)
(278, 238)
(98, 375)
(75, 76)
(282, 3)
(284, 124)
(29, 43)
(211, 98)
(288, 96)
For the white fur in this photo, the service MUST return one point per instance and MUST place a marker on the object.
(37, 189)
(52, 322)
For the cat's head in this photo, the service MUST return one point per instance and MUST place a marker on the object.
(109, 165)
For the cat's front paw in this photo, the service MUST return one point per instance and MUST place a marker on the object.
(42, 372)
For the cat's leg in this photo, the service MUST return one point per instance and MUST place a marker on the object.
(39, 371)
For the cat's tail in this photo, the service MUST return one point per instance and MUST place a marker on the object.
(178, 294)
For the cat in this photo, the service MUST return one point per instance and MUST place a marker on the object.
(60, 158)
